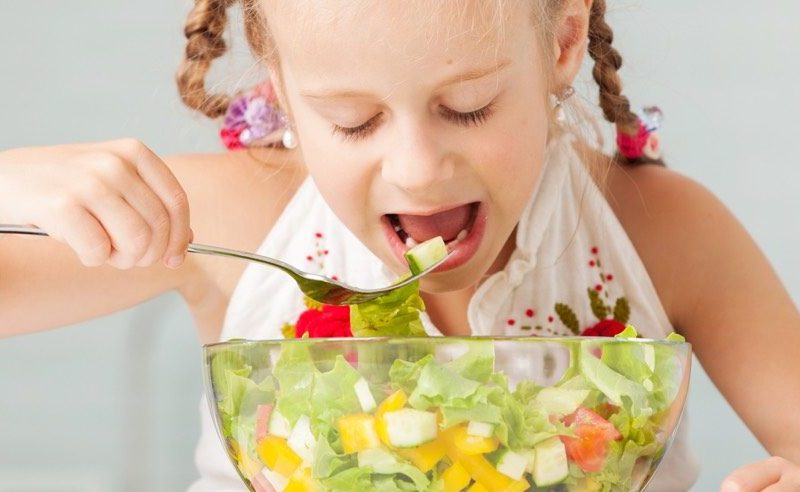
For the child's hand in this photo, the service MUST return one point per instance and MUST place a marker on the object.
(774, 475)
(112, 202)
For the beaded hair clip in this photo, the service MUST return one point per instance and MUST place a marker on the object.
(645, 144)
(253, 119)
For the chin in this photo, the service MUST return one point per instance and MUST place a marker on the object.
(467, 276)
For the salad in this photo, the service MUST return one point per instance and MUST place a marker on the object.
(439, 414)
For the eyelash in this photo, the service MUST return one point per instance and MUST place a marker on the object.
(473, 118)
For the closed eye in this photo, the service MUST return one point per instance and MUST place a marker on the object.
(360, 131)
(471, 118)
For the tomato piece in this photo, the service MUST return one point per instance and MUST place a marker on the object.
(583, 417)
(589, 448)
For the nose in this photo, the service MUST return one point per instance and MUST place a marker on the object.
(417, 161)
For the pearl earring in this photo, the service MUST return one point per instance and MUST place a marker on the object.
(559, 106)
(289, 139)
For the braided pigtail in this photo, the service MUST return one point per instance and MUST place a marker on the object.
(204, 31)
(607, 61)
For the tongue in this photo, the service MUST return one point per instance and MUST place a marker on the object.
(446, 224)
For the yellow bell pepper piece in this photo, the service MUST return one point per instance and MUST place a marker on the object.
(476, 465)
(393, 402)
(278, 456)
(358, 432)
(455, 478)
(476, 487)
(469, 444)
(520, 485)
(589, 485)
(426, 456)
(302, 481)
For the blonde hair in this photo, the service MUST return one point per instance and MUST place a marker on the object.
(207, 23)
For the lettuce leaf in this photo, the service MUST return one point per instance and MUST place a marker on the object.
(419, 479)
(477, 363)
(620, 390)
(333, 396)
(523, 425)
(621, 461)
(228, 369)
(350, 480)
(404, 374)
(393, 315)
(295, 373)
(480, 412)
(328, 462)
(439, 386)
(237, 395)
(385, 477)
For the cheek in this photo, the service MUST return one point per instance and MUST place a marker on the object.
(341, 174)
(511, 159)
(342, 177)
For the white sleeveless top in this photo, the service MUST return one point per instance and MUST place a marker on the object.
(571, 251)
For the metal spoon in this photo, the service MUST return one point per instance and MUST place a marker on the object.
(317, 287)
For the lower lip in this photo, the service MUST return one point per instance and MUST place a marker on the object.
(463, 252)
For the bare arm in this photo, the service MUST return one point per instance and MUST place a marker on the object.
(117, 216)
(43, 285)
(234, 199)
(722, 294)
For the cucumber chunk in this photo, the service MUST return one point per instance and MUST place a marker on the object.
(480, 429)
(377, 458)
(301, 440)
(509, 463)
(407, 427)
(559, 401)
(364, 395)
(550, 464)
(425, 254)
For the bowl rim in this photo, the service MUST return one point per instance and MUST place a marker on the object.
(443, 339)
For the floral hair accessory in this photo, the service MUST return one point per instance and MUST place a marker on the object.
(253, 119)
(646, 142)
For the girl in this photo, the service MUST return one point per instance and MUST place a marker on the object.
(385, 123)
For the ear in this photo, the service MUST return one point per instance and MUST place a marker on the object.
(571, 32)
(276, 80)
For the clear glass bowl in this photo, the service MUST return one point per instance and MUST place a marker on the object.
(447, 413)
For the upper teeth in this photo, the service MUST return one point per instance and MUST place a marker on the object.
(411, 242)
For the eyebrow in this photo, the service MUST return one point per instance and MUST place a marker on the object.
(472, 74)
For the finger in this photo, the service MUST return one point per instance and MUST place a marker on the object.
(755, 477)
(128, 231)
(82, 232)
(784, 485)
(144, 201)
(158, 176)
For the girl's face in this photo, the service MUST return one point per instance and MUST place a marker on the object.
(417, 121)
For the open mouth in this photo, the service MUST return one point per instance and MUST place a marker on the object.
(462, 228)
(453, 225)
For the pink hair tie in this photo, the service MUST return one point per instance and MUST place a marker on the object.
(646, 142)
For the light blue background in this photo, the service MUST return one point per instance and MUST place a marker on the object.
(112, 404)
